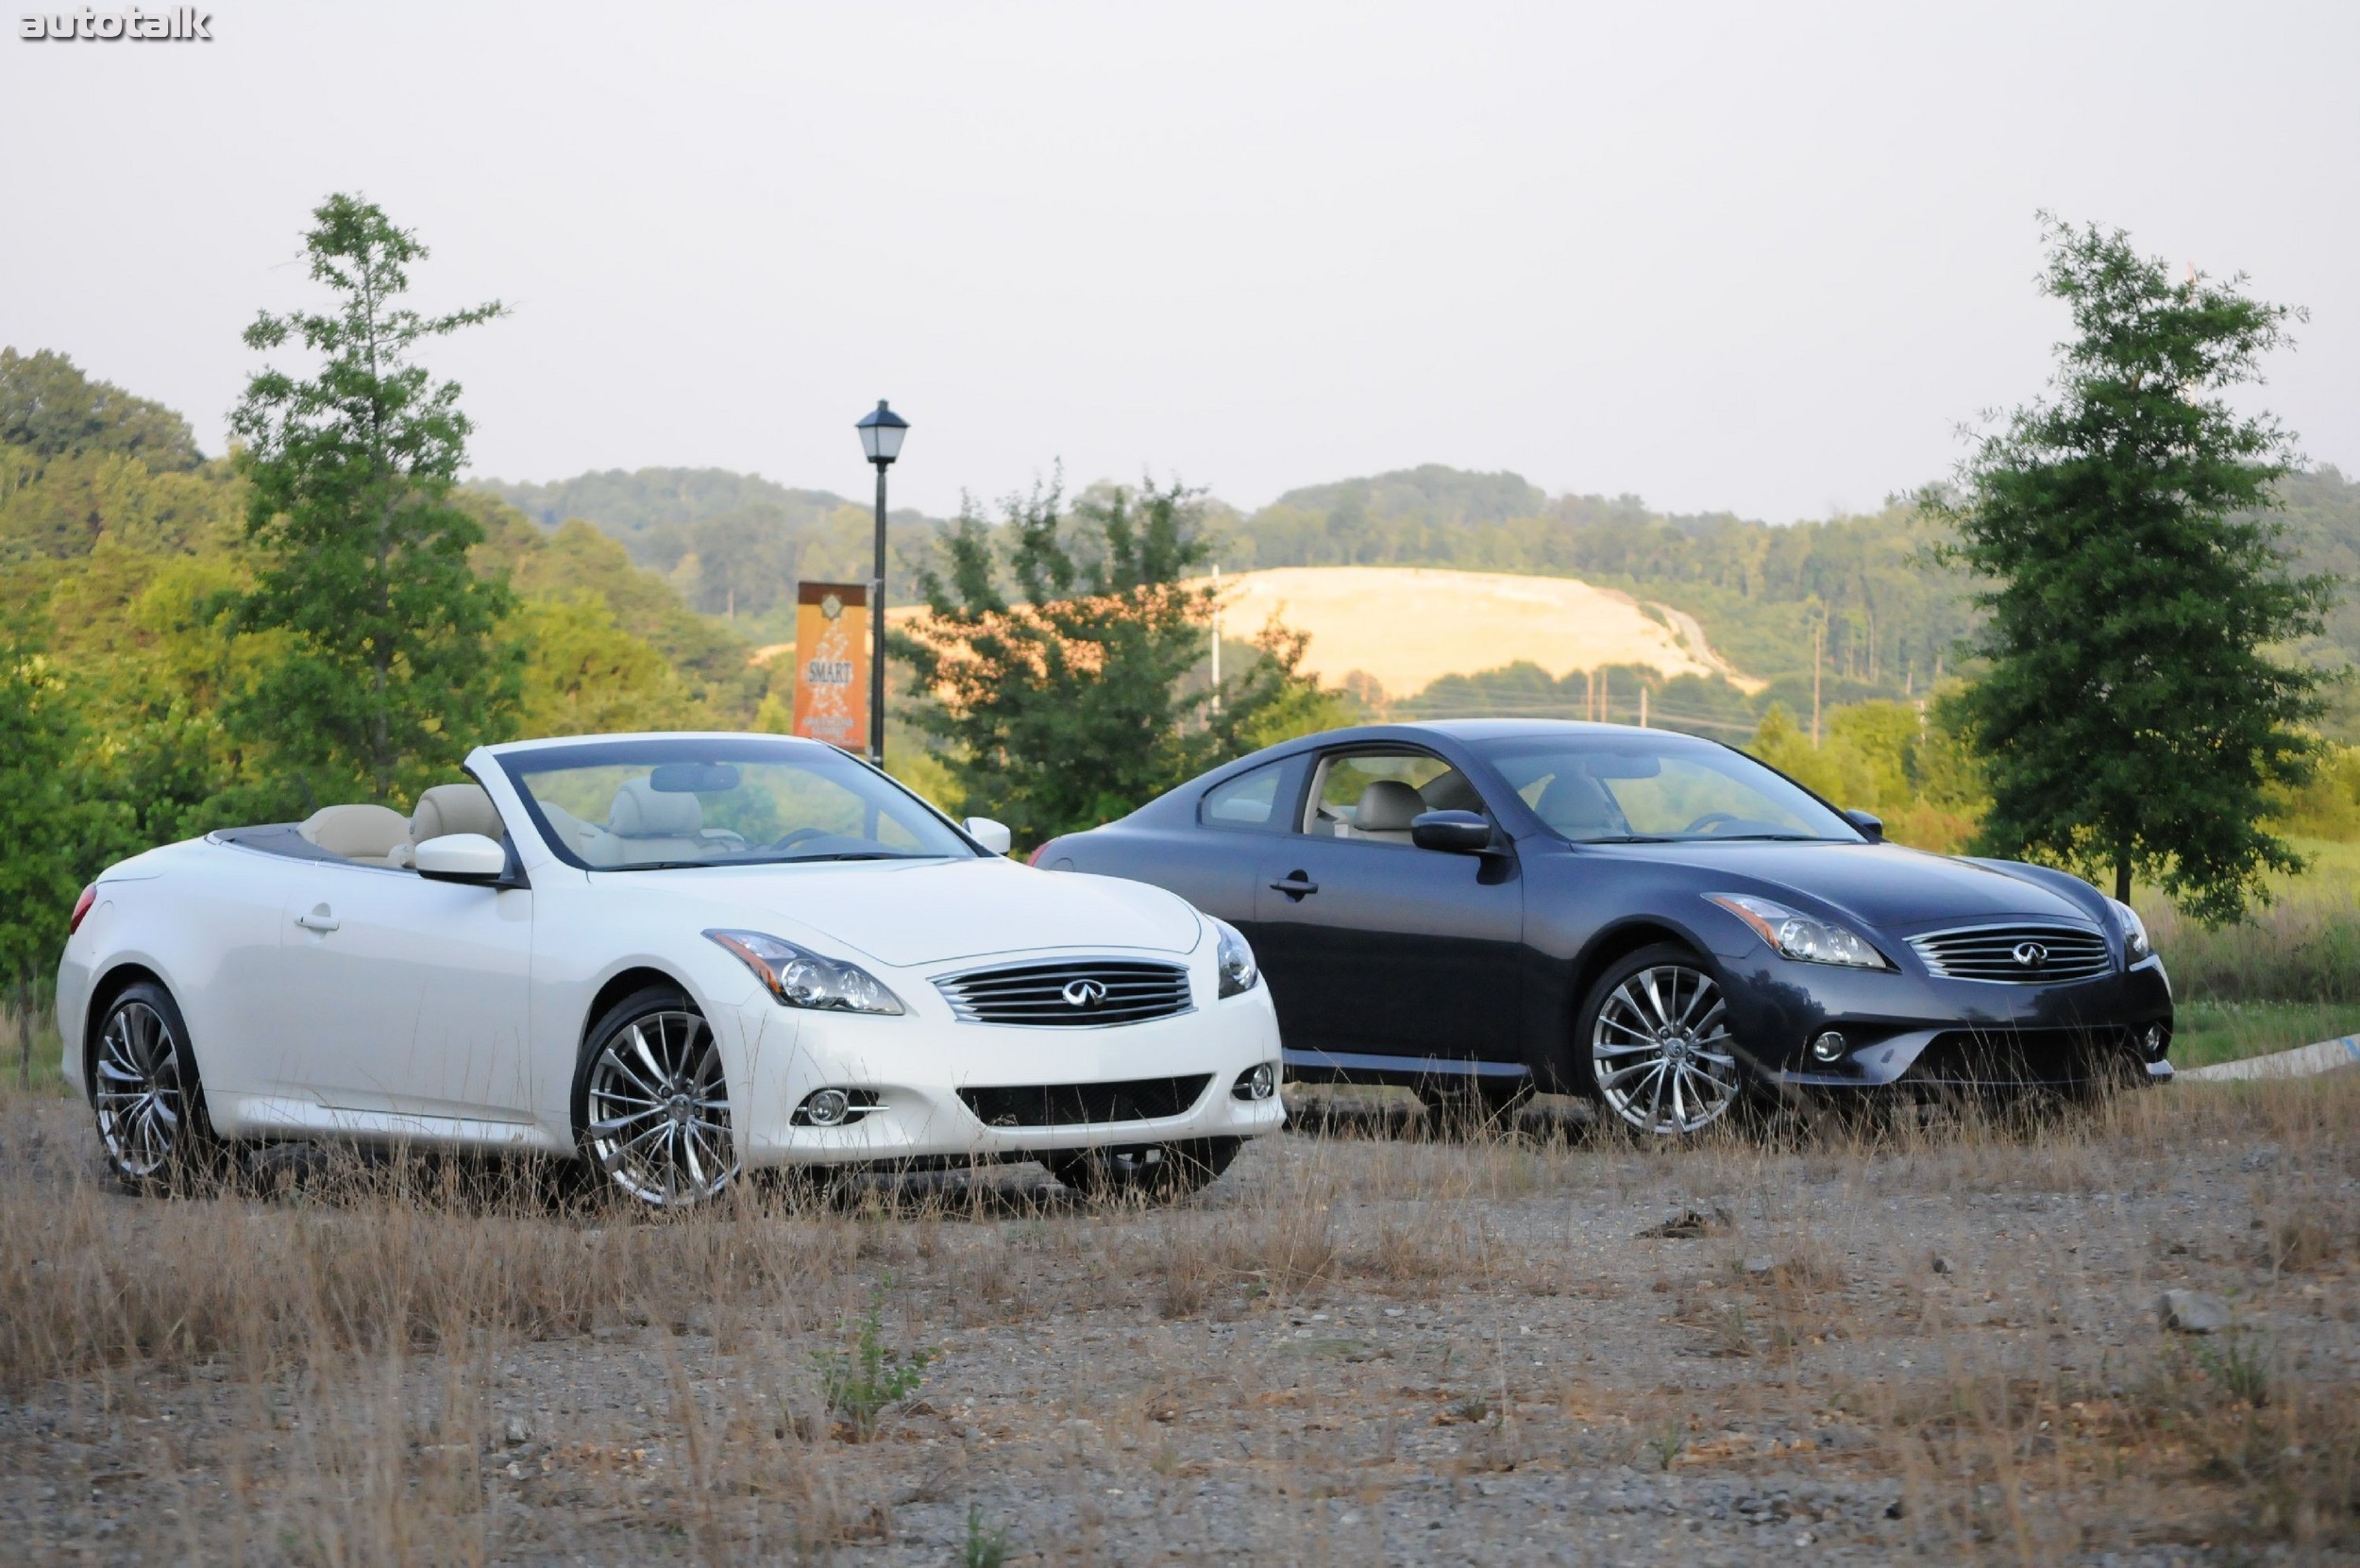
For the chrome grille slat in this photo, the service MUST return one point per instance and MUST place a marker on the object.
(1033, 996)
(1990, 953)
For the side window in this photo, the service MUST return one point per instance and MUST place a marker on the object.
(1375, 795)
(1257, 802)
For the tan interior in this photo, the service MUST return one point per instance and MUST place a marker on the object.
(1387, 809)
(379, 835)
(368, 834)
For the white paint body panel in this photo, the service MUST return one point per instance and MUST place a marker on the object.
(329, 999)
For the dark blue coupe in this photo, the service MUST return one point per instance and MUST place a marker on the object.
(1651, 920)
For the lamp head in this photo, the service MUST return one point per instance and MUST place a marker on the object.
(881, 433)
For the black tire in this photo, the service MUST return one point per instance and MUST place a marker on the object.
(1652, 1039)
(650, 1107)
(1156, 1172)
(148, 1097)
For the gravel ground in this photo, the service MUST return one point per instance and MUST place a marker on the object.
(1351, 1349)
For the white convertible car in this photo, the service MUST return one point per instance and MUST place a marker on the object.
(676, 957)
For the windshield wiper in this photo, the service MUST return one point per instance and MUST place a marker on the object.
(1631, 838)
(848, 854)
(765, 860)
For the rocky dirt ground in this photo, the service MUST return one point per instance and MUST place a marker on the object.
(1361, 1346)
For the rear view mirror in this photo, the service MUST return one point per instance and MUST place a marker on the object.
(693, 778)
(990, 834)
(1452, 832)
(1871, 827)
(461, 857)
(1622, 765)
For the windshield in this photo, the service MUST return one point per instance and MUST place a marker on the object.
(1596, 789)
(637, 805)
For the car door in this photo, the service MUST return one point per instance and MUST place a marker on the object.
(407, 997)
(1374, 946)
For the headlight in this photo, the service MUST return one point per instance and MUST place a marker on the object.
(1239, 973)
(1800, 936)
(800, 978)
(2136, 944)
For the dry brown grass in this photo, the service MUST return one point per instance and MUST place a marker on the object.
(435, 1361)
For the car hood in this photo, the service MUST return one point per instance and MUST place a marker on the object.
(930, 912)
(1881, 885)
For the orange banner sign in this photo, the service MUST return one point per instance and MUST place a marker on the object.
(832, 663)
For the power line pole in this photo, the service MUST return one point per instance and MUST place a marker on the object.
(1818, 661)
(1216, 636)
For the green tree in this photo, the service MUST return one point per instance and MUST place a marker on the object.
(50, 828)
(2134, 719)
(1077, 697)
(393, 667)
(49, 408)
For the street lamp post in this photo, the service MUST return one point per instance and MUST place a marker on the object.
(881, 433)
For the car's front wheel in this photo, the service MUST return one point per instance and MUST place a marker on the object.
(1157, 1173)
(652, 1106)
(1653, 1044)
(145, 1092)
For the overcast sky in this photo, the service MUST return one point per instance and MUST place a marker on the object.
(1763, 258)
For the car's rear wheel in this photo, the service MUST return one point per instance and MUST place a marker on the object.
(651, 1105)
(1653, 1047)
(1156, 1172)
(144, 1090)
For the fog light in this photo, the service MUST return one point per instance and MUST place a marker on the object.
(2153, 1041)
(1258, 1083)
(828, 1108)
(1828, 1047)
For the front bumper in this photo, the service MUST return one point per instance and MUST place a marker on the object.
(1909, 1031)
(915, 1068)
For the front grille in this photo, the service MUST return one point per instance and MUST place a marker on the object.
(1079, 1104)
(2055, 952)
(1999, 1058)
(1076, 993)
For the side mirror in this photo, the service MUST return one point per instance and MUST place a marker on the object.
(990, 834)
(1872, 827)
(1452, 832)
(462, 857)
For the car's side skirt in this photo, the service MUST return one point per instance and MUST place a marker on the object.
(1352, 1067)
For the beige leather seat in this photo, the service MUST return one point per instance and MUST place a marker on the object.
(446, 809)
(656, 825)
(369, 834)
(1387, 809)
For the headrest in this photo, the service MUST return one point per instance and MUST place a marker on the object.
(1387, 806)
(454, 808)
(640, 812)
(367, 833)
(1576, 803)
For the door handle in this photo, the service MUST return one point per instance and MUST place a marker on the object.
(1296, 885)
(319, 919)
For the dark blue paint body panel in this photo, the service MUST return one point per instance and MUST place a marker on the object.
(1408, 962)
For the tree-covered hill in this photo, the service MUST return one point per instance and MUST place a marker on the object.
(1888, 619)
(734, 545)
(1893, 618)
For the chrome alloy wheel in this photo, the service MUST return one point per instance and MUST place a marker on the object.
(659, 1112)
(1661, 1053)
(141, 1105)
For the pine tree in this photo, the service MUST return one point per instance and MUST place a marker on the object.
(2134, 714)
(387, 667)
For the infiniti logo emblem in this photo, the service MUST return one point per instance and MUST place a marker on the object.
(1085, 993)
(2031, 954)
